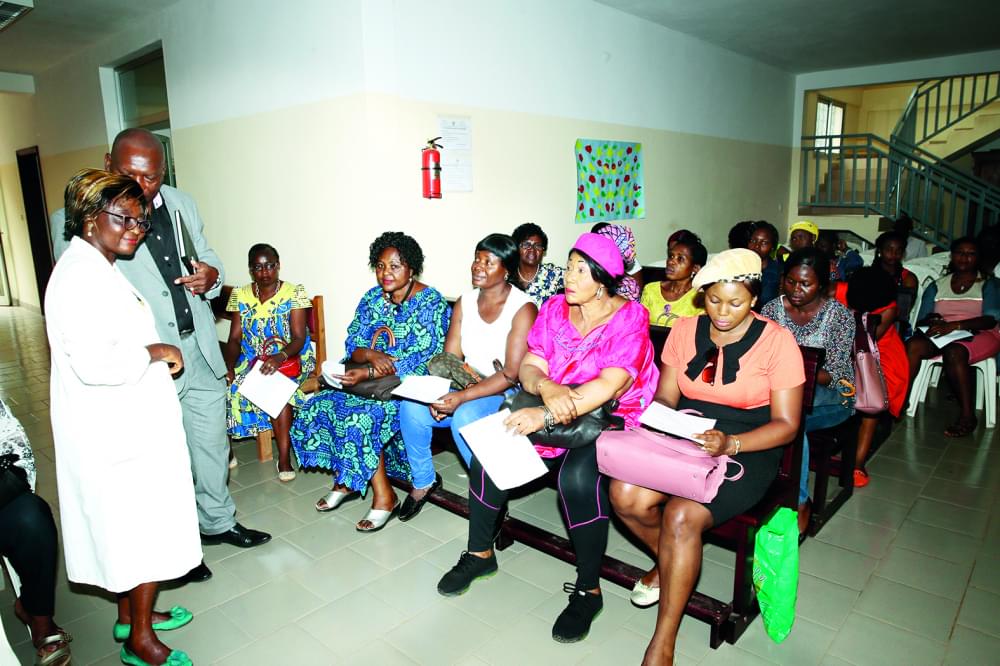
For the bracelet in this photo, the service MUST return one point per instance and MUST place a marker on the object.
(538, 386)
(550, 420)
(371, 372)
(738, 444)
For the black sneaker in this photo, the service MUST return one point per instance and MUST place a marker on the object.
(469, 568)
(573, 624)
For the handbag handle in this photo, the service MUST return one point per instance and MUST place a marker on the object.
(379, 331)
(738, 475)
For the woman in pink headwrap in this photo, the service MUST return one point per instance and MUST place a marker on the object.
(624, 240)
(586, 347)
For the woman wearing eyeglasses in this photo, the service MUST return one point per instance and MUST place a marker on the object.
(270, 330)
(538, 280)
(126, 499)
(744, 371)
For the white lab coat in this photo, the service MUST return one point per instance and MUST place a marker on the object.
(126, 496)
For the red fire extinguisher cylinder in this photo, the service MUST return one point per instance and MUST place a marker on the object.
(430, 169)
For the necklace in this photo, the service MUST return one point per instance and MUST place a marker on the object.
(409, 290)
(524, 279)
(256, 290)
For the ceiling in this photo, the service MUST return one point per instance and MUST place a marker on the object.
(794, 35)
(56, 29)
(809, 35)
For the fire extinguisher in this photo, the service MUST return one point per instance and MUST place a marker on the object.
(430, 168)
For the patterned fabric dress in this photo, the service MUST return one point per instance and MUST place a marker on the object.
(260, 322)
(345, 433)
(548, 281)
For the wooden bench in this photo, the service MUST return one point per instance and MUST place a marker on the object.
(728, 619)
(316, 325)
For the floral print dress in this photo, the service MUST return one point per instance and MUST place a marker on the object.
(346, 433)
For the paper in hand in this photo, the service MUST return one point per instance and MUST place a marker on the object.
(509, 459)
(269, 392)
(329, 370)
(941, 341)
(422, 388)
(665, 419)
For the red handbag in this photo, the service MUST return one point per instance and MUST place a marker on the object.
(290, 367)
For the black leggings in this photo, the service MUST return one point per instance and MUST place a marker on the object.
(583, 493)
(28, 540)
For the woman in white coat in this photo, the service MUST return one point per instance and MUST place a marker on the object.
(125, 490)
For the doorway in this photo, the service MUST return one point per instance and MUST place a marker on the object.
(29, 168)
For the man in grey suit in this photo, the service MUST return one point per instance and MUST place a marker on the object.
(184, 319)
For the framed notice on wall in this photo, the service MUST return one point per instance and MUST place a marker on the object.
(456, 153)
(609, 183)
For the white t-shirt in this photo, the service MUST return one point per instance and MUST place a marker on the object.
(483, 343)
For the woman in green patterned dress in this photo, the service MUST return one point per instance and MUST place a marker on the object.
(272, 324)
(356, 438)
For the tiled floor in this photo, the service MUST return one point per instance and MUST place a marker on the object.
(908, 573)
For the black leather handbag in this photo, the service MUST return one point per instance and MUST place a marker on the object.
(582, 431)
(379, 388)
(13, 479)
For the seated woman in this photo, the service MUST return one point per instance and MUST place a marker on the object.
(631, 284)
(597, 342)
(817, 321)
(357, 438)
(746, 372)
(674, 296)
(763, 241)
(890, 248)
(871, 290)
(739, 234)
(489, 323)
(538, 280)
(271, 325)
(843, 260)
(963, 300)
(28, 540)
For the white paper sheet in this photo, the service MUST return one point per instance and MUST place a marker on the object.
(943, 340)
(269, 392)
(329, 370)
(674, 422)
(509, 459)
(422, 388)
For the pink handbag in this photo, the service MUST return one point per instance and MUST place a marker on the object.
(664, 463)
(871, 395)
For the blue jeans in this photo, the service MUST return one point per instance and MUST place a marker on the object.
(415, 422)
(822, 416)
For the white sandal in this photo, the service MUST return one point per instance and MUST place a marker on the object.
(284, 477)
(378, 518)
(643, 595)
(335, 498)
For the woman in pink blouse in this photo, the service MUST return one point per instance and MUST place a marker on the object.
(585, 348)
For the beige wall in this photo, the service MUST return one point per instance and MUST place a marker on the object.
(17, 118)
(320, 185)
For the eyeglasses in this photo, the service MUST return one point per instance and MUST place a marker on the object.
(269, 266)
(529, 245)
(708, 374)
(130, 222)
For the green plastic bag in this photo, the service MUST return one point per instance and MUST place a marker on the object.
(776, 572)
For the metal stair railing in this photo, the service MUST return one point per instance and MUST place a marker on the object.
(889, 179)
(937, 104)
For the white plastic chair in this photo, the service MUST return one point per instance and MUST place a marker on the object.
(986, 386)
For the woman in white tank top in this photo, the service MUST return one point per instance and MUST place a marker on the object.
(489, 323)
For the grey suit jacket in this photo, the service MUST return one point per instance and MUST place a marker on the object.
(142, 272)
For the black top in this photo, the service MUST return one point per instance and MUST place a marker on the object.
(162, 245)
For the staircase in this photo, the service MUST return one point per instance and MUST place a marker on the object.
(867, 174)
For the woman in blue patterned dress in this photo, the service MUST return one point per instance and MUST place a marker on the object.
(358, 439)
(272, 324)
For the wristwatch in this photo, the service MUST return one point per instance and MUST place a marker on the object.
(216, 284)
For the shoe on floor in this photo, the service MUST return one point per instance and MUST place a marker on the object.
(377, 518)
(199, 574)
(411, 507)
(860, 478)
(175, 658)
(239, 536)
(573, 624)
(177, 617)
(469, 569)
(644, 595)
